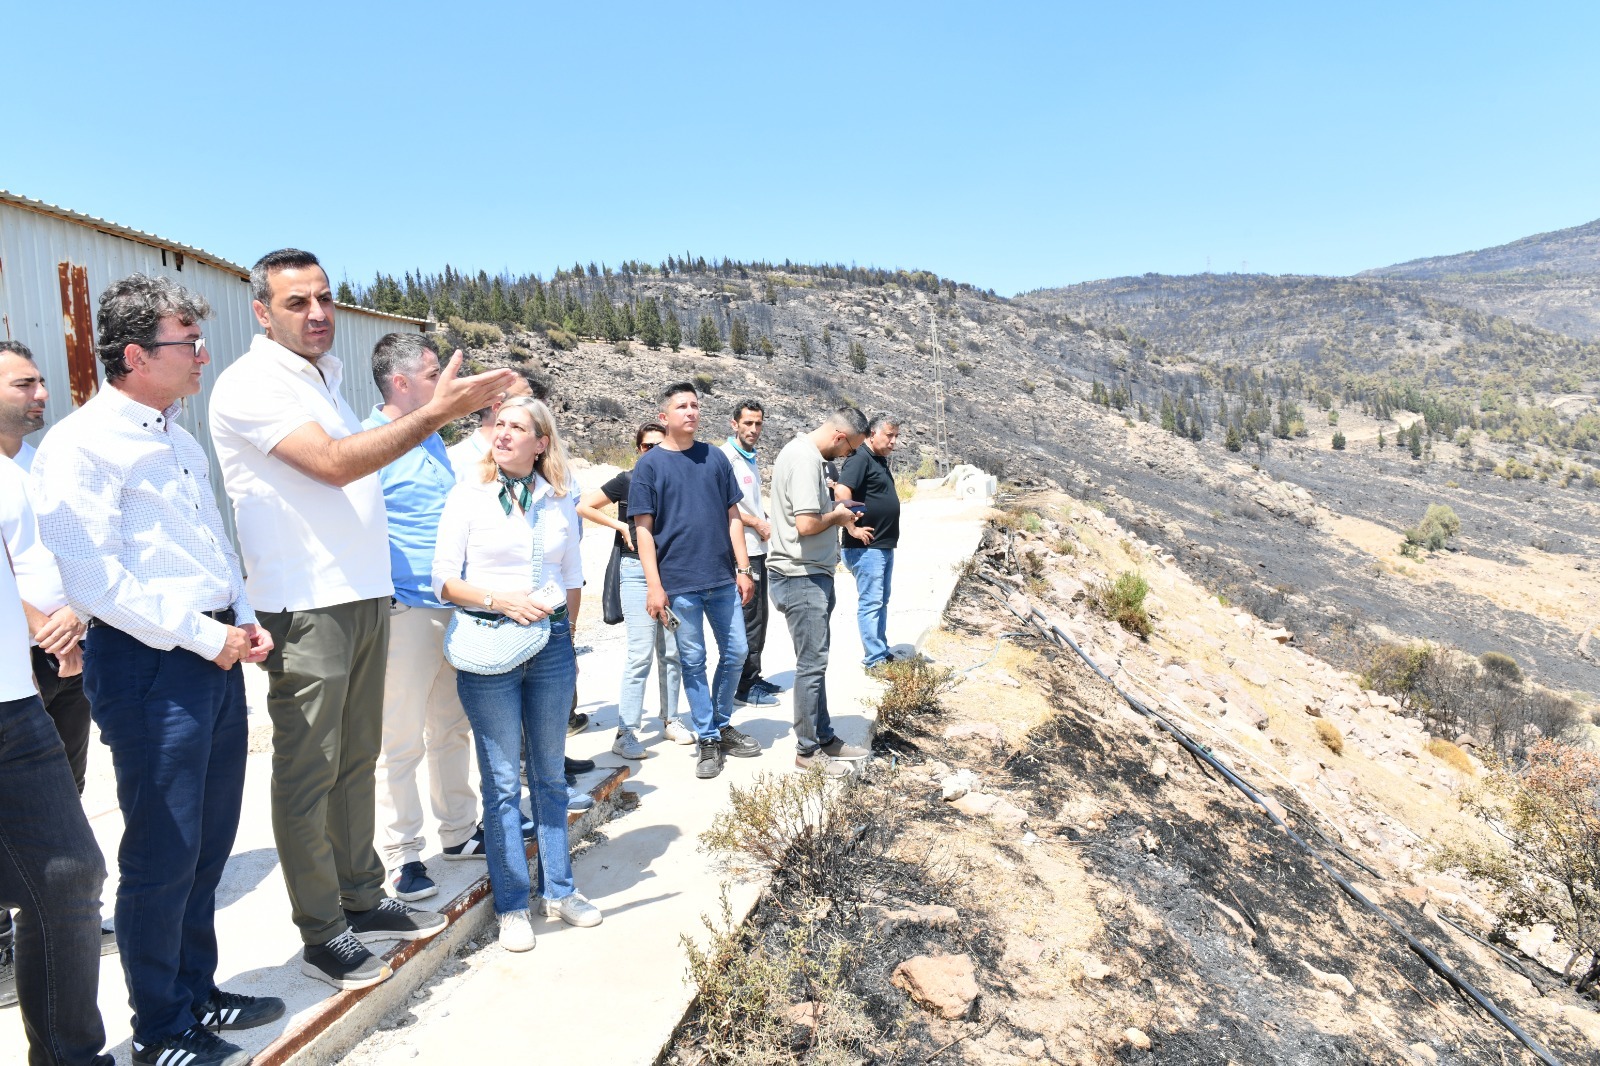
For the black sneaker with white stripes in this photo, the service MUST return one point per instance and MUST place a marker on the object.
(230, 1010)
(195, 1046)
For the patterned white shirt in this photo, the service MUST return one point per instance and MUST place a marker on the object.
(124, 503)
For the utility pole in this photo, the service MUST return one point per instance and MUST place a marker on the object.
(941, 432)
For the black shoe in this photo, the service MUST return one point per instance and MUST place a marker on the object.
(577, 722)
(710, 762)
(738, 744)
(8, 978)
(108, 940)
(195, 1046)
(344, 963)
(576, 766)
(393, 920)
(765, 686)
(230, 1010)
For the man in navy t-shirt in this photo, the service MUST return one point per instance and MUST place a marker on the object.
(684, 502)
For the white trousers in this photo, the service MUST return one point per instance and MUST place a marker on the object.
(422, 717)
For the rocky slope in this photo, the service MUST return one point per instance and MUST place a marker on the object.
(1261, 525)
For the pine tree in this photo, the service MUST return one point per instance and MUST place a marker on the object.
(739, 336)
(1232, 441)
(627, 320)
(1416, 442)
(1338, 441)
(707, 336)
(1381, 443)
(767, 349)
(344, 295)
(650, 322)
(827, 338)
(672, 332)
(858, 357)
(771, 293)
(805, 351)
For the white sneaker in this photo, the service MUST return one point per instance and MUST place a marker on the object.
(516, 931)
(574, 910)
(679, 733)
(627, 745)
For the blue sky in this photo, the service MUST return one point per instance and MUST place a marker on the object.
(1013, 146)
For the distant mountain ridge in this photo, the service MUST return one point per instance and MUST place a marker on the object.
(1575, 250)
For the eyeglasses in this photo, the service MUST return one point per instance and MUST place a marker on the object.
(195, 346)
(647, 447)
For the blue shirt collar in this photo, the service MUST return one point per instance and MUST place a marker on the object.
(734, 441)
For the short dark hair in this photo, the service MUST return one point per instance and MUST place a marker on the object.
(648, 427)
(747, 405)
(536, 384)
(17, 348)
(676, 387)
(882, 419)
(398, 353)
(271, 263)
(131, 310)
(849, 419)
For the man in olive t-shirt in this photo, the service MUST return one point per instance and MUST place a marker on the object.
(801, 559)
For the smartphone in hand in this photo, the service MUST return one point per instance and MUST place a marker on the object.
(669, 619)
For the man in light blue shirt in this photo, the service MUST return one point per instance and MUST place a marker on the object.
(422, 715)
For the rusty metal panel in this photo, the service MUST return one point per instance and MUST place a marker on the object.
(56, 264)
(79, 331)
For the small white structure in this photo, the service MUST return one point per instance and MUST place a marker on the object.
(54, 263)
(970, 483)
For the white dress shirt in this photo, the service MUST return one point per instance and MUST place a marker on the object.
(483, 546)
(16, 668)
(465, 455)
(306, 544)
(124, 503)
(38, 580)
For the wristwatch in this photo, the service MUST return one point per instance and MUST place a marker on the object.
(488, 600)
(745, 570)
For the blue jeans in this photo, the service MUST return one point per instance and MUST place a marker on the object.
(647, 639)
(806, 602)
(175, 724)
(51, 871)
(710, 708)
(873, 569)
(522, 715)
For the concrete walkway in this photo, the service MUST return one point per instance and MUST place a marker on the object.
(621, 985)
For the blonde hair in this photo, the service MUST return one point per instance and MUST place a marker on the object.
(552, 464)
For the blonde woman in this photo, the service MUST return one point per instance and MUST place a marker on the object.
(508, 550)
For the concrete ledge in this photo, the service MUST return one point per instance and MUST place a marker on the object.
(345, 1018)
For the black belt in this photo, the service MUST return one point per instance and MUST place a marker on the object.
(490, 616)
(226, 615)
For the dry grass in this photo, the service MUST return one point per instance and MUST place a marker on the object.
(1451, 755)
(1330, 736)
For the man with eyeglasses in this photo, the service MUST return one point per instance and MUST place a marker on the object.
(308, 503)
(125, 505)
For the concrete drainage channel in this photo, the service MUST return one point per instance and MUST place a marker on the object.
(346, 1018)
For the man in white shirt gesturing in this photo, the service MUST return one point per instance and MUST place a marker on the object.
(124, 504)
(302, 475)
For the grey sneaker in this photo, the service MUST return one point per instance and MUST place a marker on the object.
(838, 749)
(344, 962)
(393, 920)
(573, 909)
(819, 758)
(627, 745)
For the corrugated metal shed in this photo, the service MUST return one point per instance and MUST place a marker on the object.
(54, 263)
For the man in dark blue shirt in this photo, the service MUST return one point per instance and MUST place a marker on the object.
(684, 502)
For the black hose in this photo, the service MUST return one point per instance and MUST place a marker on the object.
(1037, 619)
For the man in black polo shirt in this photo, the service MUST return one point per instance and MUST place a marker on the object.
(869, 544)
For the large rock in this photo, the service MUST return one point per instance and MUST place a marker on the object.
(944, 984)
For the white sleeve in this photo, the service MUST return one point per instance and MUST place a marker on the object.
(572, 563)
(258, 408)
(450, 550)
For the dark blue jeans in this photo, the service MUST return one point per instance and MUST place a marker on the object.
(522, 714)
(51, 872)
(710, 706)
(175, 724)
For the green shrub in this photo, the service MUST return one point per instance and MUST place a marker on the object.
(476, 334)
(964, 368)
(1501, 665)
(913, 695)
(704, 382)
(1434, 531)
(1122, 601)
